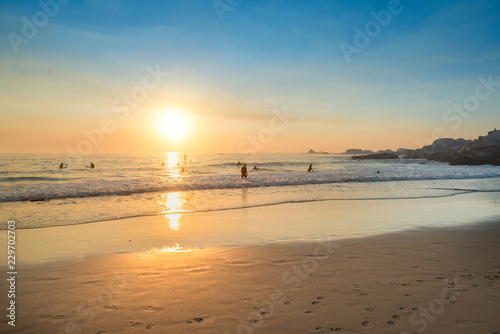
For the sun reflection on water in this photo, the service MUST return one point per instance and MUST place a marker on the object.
(173, 165)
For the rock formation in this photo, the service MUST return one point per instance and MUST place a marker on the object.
(377, 156)
(311, 151)
(357, 151)
(481, 151)
(386, 151)
(401, 151)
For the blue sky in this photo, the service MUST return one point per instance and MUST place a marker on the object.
(231, 73)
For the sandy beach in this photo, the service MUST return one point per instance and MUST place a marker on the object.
(246, 167)
(425, 279)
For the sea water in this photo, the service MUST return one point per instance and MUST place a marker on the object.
(36, 193)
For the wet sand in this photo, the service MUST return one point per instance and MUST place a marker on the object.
(430, 279)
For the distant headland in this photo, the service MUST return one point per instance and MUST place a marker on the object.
(485, 150)
(399, 151)
(311, 151)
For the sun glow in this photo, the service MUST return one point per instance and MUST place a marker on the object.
(173, 125)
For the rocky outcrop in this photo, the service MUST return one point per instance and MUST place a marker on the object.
(481, 151)
(386, 151)
(377, 156)
(401, 151)
(489, 155)
(311, 151)
(357, 151)
(442, 149)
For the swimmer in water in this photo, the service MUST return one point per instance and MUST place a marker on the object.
(244, 172)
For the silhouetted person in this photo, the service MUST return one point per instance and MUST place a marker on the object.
(92, 165)
(378, 172)
(62, 165)
(239, 163)
(244, 172)
(255, 167)
(310, 168)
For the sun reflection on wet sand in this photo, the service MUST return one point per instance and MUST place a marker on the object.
(172, 206)
(173, 221)
(173, 249)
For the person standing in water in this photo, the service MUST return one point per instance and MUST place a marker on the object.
(244, 172)
(310, 168)
(62, 165)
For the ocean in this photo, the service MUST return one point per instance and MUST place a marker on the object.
(36, 193)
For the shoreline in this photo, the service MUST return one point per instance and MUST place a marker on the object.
(106, 208)
(462, 192)
(304, 221)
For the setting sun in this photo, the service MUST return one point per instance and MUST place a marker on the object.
(173, 125)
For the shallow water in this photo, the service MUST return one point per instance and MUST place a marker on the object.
(36, 193)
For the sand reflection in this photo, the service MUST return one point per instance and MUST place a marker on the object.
(171, 249)
(172, 206)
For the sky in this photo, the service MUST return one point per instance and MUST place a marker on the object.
(92, 76)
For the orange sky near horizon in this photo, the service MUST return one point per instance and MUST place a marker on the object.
(217, 124)
(213, 134)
